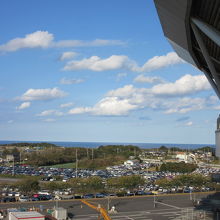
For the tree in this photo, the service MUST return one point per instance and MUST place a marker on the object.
(128, 182)
(178, 167)
(94, 184)
(28, 185)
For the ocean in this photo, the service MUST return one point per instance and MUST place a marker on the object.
(97, 144)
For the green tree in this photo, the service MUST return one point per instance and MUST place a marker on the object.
(28, 185)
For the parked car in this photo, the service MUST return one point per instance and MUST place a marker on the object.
(23, 199)
(100, 195)
(8, 199)
(88, 196)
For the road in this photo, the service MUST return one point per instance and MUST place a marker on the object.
(134, 208)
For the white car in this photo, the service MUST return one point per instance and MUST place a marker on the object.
(23, 199)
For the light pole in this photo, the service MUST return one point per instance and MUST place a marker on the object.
(76, 164)
(154, 201)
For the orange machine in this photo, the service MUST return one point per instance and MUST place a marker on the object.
(101, 210)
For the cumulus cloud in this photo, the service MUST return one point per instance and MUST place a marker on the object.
(24, 105)
(66, 105)
(65, 81)
(67, 55)
(80, 110)
(109, 106)
(128, 98)
(186, 104)
(187, 84)
(147, 79)
(38, 39)
(95, 63)
(42, 94)
(50, 112)
(113, 106)
(44, 39)
(159, 62)
(125, 91)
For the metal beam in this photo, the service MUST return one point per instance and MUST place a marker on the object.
(211, 82)
(208, 30)
(208, 60)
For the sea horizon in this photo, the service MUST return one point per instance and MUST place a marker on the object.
(97, 144)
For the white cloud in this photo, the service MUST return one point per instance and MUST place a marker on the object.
(190, 123)
(50, 112)
(93, 43)
(187, 84)
(24, 105)
(80, 110)
(113, 106)
(42, 94)
(70, 81)
(109, 106)
(147, 79)
(123, 100)
(95, 63)
(38, 39)
(10, 121)
(159, 62)
(66, 105)
(67, 55)
(125, 91)
(44, 39)
(185, 105)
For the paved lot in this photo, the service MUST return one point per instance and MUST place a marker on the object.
(155, 214)
(133, 208)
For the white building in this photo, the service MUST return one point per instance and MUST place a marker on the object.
(181, 156)
(26, 215)
(130, 162)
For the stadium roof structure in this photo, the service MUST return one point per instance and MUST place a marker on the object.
(193, 29)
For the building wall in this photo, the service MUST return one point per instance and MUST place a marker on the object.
(217, 143)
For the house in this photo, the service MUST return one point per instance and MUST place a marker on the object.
(131, 162)
(181, 156)
(9, 157)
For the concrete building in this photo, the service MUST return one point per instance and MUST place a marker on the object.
(217, 138)
(192, 28)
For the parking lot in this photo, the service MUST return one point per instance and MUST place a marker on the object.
(168, 207)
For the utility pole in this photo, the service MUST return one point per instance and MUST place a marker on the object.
(190, 194)
(13, 165)
(76, 164)
(20, 157)
(92, 153)
(154, 201)
(87, 151)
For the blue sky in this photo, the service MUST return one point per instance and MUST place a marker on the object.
(97, 71)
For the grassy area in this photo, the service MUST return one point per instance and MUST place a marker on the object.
(64, 165)
(73, 165)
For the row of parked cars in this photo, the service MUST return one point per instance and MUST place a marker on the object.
(147, 189)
